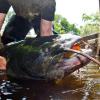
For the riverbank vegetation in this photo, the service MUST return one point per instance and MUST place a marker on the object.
(91, 25)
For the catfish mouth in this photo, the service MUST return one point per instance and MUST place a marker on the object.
(67, 65)
(74, 61)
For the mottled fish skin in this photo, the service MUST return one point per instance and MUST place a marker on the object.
(32, 59)
(39, 58)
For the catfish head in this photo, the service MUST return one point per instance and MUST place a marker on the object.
(42, 57)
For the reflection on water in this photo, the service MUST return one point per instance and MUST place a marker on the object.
(84, 85)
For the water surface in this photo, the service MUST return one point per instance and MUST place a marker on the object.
(81, 85)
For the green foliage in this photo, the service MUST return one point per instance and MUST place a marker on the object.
(61, 25)
(91, 24)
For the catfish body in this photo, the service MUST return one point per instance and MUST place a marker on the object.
(41, 58)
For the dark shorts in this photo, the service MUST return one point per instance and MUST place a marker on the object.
(45, 8)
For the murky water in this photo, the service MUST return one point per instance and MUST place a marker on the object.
(83, 85)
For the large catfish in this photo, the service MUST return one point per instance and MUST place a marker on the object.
(43, 57)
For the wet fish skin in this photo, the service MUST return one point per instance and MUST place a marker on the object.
(37, 58)
(27, 53)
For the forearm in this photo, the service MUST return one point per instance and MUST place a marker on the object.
(2, 17)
